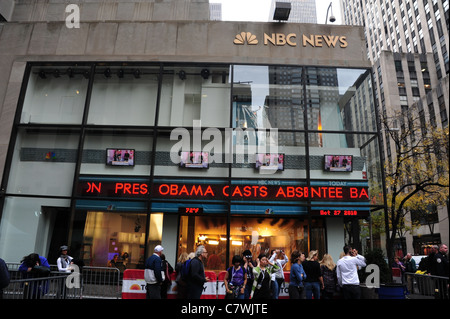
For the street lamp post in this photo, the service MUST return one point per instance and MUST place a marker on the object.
(332, 17)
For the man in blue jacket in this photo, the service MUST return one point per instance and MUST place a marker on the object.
(153, 274)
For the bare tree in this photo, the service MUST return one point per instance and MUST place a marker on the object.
(416, 168)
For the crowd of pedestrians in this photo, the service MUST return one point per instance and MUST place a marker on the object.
(263, 277)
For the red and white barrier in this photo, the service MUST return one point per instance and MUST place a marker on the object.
(134, 285)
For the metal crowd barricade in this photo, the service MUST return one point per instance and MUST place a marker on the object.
(52, 287)
(427, 286)
(94, 283)
(101, 283)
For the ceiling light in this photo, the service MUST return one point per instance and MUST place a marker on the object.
(205, 74)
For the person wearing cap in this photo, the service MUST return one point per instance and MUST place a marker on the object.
(64, 262)
(153, 274)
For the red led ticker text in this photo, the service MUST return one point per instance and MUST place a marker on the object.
(168, 190)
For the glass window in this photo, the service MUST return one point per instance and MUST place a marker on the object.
(195, 93)
(336, 96)
(267, 97)
(55, 95)
(269, 154)
(262, 235)
(210, 231)
(44, 162)
(117, 152)
(123, 95)
(207, 153)
(109, 234)
(30, 224)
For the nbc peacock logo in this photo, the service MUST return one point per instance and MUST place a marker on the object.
(245, 37)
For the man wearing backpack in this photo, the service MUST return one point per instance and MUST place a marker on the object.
(153, 274)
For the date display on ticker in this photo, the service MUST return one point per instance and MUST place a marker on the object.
(340, 213)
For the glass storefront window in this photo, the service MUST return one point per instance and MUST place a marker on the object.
(55, 95)
(210, 231)
(339, 99)
(262, 235)
(44, 162)
(117, 152)
(195, 93)
(124, 95)
(267, 97)
(107, 234)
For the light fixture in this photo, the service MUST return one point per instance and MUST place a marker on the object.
(86, 74)
(56, 73)
(182, 75)
(70, 73)
(120, 73)
(205, 74)
(137, 73)
(282, 11)
(42, 75)
(107, 73)
(332, 17)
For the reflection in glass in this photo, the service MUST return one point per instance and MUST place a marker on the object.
(267, 97)
(339, 99)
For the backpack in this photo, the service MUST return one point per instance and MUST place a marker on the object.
(185, 269)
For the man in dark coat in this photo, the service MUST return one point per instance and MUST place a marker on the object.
(196, 277)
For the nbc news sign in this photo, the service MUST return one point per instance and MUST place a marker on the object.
(291, 39)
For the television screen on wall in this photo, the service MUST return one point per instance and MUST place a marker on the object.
(338, 163)
(273, 162)
(119, 157)
(193, 159)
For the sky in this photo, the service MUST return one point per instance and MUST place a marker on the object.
(258, 10)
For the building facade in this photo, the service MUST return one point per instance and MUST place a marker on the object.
(408, 43)
(121, 135)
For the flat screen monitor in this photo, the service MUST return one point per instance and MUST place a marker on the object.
(338, 163)
(119, 157)
(194, 159)
(270, 161)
